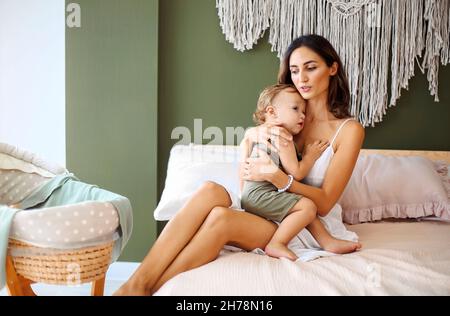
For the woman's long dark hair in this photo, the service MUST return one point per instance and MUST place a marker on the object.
(338, 91)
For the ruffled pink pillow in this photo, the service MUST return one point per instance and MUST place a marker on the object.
(396, 187)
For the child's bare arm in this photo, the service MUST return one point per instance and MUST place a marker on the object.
(300, 169)
(289, 160)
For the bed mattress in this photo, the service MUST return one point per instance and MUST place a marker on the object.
(406, 257)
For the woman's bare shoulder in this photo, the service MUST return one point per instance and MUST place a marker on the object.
(352, 133)
(354, 126)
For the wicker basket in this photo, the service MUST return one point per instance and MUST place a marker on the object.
(60, 267)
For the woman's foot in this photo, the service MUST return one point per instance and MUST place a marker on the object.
(278, 250)
(341, 246)
(129, 289)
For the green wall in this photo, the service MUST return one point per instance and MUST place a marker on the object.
(202, 76)
(111, 91)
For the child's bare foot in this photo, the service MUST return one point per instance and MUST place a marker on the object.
(129, 289)
(341, 246)
(278, 250)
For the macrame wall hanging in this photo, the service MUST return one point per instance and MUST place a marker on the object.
(375, 39)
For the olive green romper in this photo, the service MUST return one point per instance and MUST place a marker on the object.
(263, 198)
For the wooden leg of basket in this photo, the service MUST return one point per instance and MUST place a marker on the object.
(98, 287)
(26, 286)
(16, 284)
(12, 279)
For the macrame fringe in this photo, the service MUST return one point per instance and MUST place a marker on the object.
(371, 36)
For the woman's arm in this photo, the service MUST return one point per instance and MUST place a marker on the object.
(337, 176)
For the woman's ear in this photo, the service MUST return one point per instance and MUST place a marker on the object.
(334, 69)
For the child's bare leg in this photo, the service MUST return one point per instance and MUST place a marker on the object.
(328, 242)
(298, 218)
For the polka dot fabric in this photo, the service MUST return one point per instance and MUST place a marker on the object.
(16, 185)
(67, 227)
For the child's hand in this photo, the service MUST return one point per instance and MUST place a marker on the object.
(314, 151)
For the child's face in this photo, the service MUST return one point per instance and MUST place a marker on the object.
(289, 111)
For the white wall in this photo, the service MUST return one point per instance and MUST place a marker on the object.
(32, 76)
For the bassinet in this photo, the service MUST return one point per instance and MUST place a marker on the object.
(57, 237)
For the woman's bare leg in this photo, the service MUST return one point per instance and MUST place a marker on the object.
(175, 236)
(328, 242)
(223, 226)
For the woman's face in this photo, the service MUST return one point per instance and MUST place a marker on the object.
(310, 74)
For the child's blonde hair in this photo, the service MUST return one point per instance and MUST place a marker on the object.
(266, 99)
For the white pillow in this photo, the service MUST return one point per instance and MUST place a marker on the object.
(191, 166)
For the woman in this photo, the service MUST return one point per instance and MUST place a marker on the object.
(196, 235)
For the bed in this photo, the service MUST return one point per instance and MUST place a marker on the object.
(399, 257)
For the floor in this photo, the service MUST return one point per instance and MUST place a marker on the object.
(117, 274)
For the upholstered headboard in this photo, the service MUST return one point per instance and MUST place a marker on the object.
(432, 155)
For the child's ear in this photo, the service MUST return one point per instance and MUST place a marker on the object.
(271, 111)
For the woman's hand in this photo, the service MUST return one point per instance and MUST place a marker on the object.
(272, 136)
(259, 169)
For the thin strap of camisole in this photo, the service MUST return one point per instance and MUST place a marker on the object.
(339, 130)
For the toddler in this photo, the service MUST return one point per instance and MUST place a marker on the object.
(281, 105)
